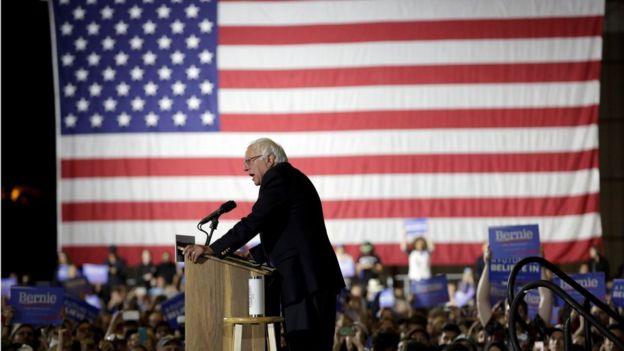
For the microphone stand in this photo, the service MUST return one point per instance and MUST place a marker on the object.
(213, 226)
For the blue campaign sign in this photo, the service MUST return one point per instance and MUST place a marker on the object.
(386, 298)
(415, 227)
(95, 273)
(37, 305)
(532, 299)
(498, 292)
(514, 240)
(429, 292)
(617, 293)
(77, 286)
(508, 245)
(77, 310)
(593, 282)
(173, 308)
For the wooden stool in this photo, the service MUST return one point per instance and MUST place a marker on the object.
(238, 323)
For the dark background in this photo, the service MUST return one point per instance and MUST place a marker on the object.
(28, 141)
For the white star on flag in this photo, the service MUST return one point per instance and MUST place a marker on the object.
(95, 89)
(192, 72)
(121, 59)
(122, 89)
(205, 57)
(93, 59)
(67, 60)
(151, 119)
(110, 104)
(177, 58)
(206, 87)
(93, 28)
(96, 120)
(137, 104)
(149, 27)
(107, 13)
(205, 26)
(123, 119)
(178, 88)
(109, 74)
(66, 29)
(164, 73)
(121, 28)
(193, 103)
(165, 103)
(179, 119)
(150, 88)
(137, 73)
(70, 121)
(207, 118)
(69, 90)
(149, 58)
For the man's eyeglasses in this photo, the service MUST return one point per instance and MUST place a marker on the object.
(248, 161)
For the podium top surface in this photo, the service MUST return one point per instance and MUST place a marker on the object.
(240, 263)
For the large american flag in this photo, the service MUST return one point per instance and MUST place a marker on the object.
(467, 113)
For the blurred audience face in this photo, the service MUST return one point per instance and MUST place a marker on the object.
(84, 331)
(447, 337)
(421, 337)
(162, 330)
(154, 318)
(599, 314)
(146, 257)
(25, 334)
(88, 345)
(555, 341)
(593, 252)
(609, 345)
(583, 268)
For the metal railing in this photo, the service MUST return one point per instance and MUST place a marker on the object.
(583, 310)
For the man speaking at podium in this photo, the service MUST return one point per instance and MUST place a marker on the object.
(289, 217)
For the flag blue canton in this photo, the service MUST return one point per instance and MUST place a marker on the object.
(130, 66)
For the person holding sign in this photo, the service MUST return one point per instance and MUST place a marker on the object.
(288, 214)
(495, 319)
(419, 257)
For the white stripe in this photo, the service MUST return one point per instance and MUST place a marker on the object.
(316, 12)
(406, 97)
(441, 230)
(410, 53)
(462, 230)
(344, 187)
(340, 143)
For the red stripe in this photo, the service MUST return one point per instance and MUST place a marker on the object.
(421, 30)
(393, 75)
(411, 119)
(445, 254)
(379, 164)
(392, 208)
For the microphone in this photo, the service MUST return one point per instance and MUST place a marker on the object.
(224, 208)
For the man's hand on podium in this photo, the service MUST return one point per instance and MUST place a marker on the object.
(196, 252)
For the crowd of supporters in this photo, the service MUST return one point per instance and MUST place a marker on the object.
(366, 320)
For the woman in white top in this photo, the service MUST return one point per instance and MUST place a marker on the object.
(419, 257)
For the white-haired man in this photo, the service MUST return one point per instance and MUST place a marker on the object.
(289, 217)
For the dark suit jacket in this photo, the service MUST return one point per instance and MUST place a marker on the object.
(289, 217)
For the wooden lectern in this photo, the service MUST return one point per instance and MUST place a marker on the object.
(214, 289)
